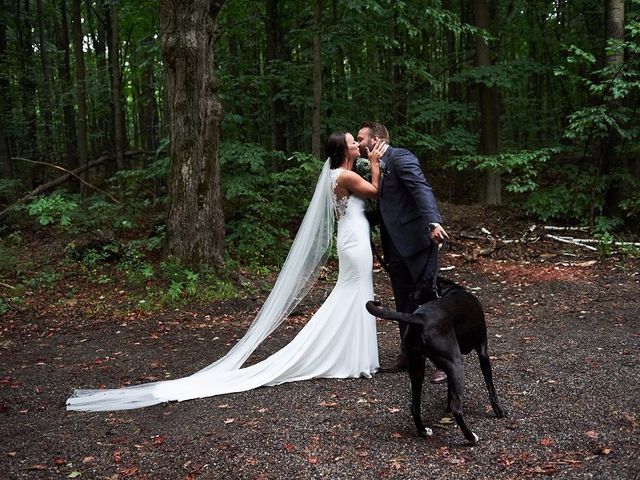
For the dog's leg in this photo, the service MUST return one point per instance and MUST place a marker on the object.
(485, 366)
(416, 374)
(455, 385)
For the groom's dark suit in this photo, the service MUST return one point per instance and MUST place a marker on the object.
(407, 207)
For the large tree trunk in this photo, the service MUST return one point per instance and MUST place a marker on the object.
(488, 106)
(116, 90)
(81, 90)
(195, 225)
(316, 148)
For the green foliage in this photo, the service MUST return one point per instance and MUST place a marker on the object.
(576, 195)
(603, 226)
(9, 187)
(518, 169)
(45, 279)
(186, 286)
(8, 261)
(183, 281)
(266, 196)
(129, 183)
(53, 209)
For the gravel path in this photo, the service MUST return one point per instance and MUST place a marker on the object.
(564, 341)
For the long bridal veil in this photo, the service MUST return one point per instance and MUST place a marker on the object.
(307, 255)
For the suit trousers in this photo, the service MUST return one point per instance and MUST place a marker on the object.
(406, 272)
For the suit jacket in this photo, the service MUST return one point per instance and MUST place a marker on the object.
(406, 202)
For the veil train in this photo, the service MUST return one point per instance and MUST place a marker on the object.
(307, 255)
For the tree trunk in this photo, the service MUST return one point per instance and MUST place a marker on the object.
(98, 24)
(614, 29)
(148, 116)
(316, 148)
(6, 168)
(64, 74)
(488, 107)
(339, 93)
(398, 79)
(272, 56)
(24, 49)
(81, 91)
(195, 224)
(116, 90)
(45, 96)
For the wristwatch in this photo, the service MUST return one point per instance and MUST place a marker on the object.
(433, 226)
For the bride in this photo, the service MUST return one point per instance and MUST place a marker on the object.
(339, 340)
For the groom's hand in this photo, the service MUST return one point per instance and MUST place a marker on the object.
(439, 234)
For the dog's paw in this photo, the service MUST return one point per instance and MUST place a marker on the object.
(474, 440)
(426, 432)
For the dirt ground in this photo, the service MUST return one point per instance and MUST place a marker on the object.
(564, 338)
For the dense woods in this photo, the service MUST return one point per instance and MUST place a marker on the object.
(528, 104)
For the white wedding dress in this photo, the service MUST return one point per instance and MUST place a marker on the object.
(339, 341)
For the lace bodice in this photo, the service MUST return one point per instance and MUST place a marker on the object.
(340, 203)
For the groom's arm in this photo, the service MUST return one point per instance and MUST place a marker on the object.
(409, 172)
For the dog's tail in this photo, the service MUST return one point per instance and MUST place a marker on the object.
(374, 308)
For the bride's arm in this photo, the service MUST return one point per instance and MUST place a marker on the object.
(354, 183)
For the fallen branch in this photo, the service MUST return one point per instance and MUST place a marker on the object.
(600, 242)
(53, 183)
(78, 177)
(62, 179)
(6, 285)
(570, 241)
(563, 229)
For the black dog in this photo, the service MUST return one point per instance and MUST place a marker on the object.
(443, 330)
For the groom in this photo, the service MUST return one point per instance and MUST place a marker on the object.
(410, 227)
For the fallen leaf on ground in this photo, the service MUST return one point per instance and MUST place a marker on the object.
(129, 471)
(36, 467)
(602, 450)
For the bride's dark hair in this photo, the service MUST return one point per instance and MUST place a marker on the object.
(336, 148)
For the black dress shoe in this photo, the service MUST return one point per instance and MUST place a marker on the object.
(438, 377)
(399, 366)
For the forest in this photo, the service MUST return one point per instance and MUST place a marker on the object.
(130, 146)
(156, 161)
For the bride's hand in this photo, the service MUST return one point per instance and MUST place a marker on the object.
(379, 149)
